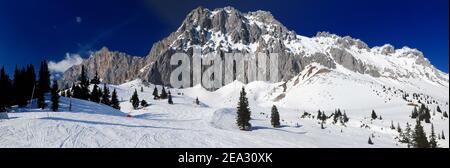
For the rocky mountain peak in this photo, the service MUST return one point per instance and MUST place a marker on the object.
(227, 29)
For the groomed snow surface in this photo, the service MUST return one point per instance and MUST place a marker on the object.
(212, 123)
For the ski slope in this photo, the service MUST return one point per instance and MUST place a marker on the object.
(212, 123)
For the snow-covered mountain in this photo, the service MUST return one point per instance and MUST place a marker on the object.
(226, 30)
(325, 72)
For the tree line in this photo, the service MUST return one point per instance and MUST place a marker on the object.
(25, 86)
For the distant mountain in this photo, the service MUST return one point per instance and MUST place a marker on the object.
(227, 30)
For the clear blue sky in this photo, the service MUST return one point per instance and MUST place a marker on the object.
(33, 30)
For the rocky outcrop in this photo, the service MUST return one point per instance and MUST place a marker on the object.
(112, 67)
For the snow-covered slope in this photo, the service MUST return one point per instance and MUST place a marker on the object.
(212, 123)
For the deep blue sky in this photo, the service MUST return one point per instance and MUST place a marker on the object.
(32, 30)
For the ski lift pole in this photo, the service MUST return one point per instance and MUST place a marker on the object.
(32, 95)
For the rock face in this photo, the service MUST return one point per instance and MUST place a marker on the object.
(112, 67)
(226, 30)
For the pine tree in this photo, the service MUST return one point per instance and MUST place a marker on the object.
(197, 102)
(115, 100)
(427, 115)
(445, 114)
(68, 93)
(392, 125)
(419, 137)
(438, 109)
(374, 115)
(5, 90)
(96, 79)
(170, 98)
(163, 93)
(243, 112)
(422, 112)
(144, 103)
(43, 85)
(135, 100)
(399, 130)
(44, 78)
(319, 115)
(95, 94)
(155, 93)
(84, 84)
(19, 85)
(414, 113)
(106, 96)
(275, 117)
(406, 136)
(323, 117)
(142, 89)
(55, 96)
(442, 135)
(370, 141)
(76, 89)
(345, 118)
(433, 143)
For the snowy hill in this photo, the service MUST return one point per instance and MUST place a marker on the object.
(212, 123)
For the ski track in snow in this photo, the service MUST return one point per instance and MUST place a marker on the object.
(212, 124)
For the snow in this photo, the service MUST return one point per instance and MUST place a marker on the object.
(212, 123)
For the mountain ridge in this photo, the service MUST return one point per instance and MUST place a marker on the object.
(229, 30)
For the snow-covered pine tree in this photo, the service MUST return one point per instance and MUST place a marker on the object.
(433, 143)
(275, 117)
(155, 93)
(445, 114)
(106, 95)
(55, 96)
(170, 98)
(374, 115)
(115, 100)
(442, 135)
(135, 100)
(243, 112)
(419, 137)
